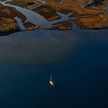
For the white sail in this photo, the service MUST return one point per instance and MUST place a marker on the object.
(51, 81)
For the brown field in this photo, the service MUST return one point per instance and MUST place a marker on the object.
(61, 26)
(31, 26)
(8, 25)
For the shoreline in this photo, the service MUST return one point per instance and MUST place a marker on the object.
(85, 19)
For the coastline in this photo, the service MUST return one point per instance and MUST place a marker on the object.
(85, 18)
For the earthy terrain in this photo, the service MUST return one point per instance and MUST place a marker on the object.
(86, 15)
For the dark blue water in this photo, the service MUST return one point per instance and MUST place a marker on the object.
(81, 78)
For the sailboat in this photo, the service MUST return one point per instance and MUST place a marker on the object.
(51, 81)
